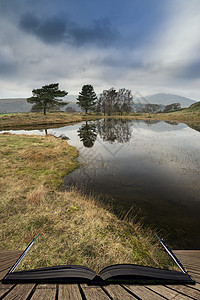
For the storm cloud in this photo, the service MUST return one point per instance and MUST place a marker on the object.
(56, 30)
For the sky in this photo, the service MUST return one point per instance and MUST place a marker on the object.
(147, 46)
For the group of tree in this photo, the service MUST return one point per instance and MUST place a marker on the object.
(148, 108)
(172, 107)
(111, 101)
(49, 97)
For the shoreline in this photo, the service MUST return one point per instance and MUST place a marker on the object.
(62, 118)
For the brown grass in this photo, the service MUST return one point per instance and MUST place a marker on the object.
(61, 118)
(73, 228)
(37, 119)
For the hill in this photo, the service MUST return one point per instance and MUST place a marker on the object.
(195, 105)
(166, 99)
(190, 115)
(14, 105)
(20, 105)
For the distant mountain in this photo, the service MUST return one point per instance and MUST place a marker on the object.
(72, 105)
(17, 105)
(14, 105)
(71, 99)
(166, 99)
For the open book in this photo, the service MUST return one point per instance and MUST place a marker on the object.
(119, 273)
(122, 273)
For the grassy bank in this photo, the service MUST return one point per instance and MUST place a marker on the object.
(186, 115)
(30, 119)
(73, 229)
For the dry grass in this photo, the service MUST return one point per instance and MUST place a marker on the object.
(186, 115)
(38, 119)
(30, 119)
(73, 228)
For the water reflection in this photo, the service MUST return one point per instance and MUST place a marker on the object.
(151, 122)
(152, 166)
(88, 134)
(114, 130)
(110, 130)
(172, 123)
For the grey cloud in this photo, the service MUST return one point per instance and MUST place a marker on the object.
(29, 23)
(7, 67)
(123, 62)
(182, 70)
(191, 71)
(55, 30)
(50, 30)
(11, 7)
(101, 33)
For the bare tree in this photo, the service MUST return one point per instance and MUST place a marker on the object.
(111, 101)
(124, 101)
(107, 101)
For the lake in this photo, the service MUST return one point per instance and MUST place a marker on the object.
(148, 170)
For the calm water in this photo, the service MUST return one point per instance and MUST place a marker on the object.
(152, 167)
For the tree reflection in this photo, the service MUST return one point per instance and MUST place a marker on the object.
(150, 122)
(113, 130)
(88, 134)
(171, 123)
